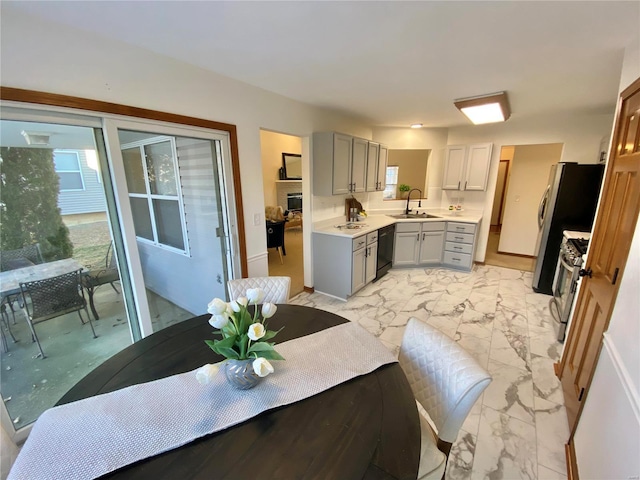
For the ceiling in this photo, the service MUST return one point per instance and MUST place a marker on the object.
(387, 63)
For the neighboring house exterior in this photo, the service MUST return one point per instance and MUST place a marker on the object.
(81, 189)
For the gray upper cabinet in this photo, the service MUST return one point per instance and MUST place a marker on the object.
(372, 166)
(345, 164)
(359, 165)
(332, 156)
(376, 167)
(467, 167)
(382, 167)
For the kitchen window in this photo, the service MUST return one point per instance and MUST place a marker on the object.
(391, 183)
(67, 166)
(155, 195)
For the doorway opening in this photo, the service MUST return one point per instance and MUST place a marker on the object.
(522, 178)
(283, 199)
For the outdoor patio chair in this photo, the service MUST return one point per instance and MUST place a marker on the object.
(4, 324)
(275, 237)
(96, 277)
(52, 297)
(21, 257)
(15, 259)
(276, 289)
(446, 382)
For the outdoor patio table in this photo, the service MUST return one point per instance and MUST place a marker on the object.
(11, 279)
(367, 427)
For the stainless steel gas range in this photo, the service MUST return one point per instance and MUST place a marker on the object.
(565, 283)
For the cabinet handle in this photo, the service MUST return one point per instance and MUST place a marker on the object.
(465, 185)
(368, 252)
(459, 238)
(354, 187)
(423, 235)
(418, 238)
(459, 228)
(457, 248)
(455, 259)
(458, 185)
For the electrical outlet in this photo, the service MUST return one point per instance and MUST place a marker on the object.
(256, 219)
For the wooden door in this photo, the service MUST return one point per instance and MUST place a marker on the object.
(608, 251)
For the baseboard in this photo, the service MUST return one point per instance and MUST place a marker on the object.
(572, 464)
(556, 369)
(309, 289)
(515, 255)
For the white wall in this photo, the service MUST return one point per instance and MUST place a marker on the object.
(272, 146)
(434, 139)
(581, 135)
(81, 64)
(528, 179)
(607, 438)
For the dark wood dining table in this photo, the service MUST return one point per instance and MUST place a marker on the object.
(367, 427)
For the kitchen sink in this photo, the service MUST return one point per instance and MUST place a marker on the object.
(414, 215)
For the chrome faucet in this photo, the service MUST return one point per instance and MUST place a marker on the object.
(407, 209)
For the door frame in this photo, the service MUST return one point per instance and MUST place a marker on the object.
(573, 331)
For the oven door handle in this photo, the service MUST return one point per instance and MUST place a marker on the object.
(566, 265)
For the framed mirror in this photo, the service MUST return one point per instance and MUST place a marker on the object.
(292, 165)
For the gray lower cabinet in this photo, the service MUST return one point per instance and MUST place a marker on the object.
(460, 242)
(343, 265)
(418, 243)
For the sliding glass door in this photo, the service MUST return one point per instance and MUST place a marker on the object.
(144, 210)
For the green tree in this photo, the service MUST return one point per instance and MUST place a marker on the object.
(29, 210)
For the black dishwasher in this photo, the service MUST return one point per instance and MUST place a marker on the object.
(385, 250)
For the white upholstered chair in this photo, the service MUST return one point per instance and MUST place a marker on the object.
(446, 382)
(276, 289)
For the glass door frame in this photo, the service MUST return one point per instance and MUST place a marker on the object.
(28, 105)
(111, 126)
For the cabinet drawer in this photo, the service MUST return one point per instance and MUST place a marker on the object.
(459, 237)
(462, 260)
(359, 242)
(458, 247)
(372, 237)
(432, 226)
(407, 227)
(461, 227)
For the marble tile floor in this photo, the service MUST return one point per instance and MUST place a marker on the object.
(518, 428)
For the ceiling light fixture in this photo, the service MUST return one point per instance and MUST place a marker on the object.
(36, 138)
(416, 125)
(490, 108)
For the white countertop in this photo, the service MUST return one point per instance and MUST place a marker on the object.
(374, 222)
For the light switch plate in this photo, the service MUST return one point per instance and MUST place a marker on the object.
(256, 219)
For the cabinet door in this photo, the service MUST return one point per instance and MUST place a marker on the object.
(342, 154)
(382, 167)
(359, 165)
(372, 166)
(431, 244)
(477, 170)
(405, 250)
(454, 167)
(372, 262)
(358, 266)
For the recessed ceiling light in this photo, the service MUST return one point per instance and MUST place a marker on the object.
(490, 108)
(416, 125)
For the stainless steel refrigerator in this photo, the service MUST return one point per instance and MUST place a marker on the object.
(568, 203)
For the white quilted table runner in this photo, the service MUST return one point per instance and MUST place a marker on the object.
(97, 435)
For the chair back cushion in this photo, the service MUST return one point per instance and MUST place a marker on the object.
(445, 379)
(276, 289)
(275, 234)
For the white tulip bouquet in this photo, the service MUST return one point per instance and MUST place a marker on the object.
(244, 336)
